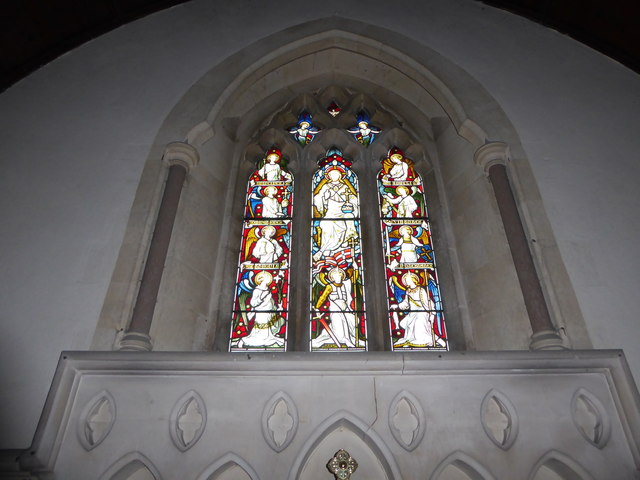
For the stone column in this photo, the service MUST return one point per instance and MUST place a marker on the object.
(492, 157)
(180, 158)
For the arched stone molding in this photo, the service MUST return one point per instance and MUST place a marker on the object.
(224, 463)
(351, 423)
(470, 467)
(129, 465)
(222, 110)
(564, 467)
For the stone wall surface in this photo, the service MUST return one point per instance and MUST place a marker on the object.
(199, 415)
(76, 134)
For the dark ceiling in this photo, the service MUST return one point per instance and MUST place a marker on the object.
(37, 31)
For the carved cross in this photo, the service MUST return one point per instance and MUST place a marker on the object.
(342, 465)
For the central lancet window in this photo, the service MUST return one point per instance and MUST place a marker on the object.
(337, 280)
(405, 255)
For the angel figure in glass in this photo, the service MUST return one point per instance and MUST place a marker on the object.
(262, 245)
(363, 131)
(259, 320)
(304, 132)
(414, 314)
(408, 245)
(333, 310)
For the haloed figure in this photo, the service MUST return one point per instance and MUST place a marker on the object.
(405, 204)
(342, 322)
(264, 315)
(335, 201)
(266, 248)
(418, 321)
(271, 206)
(271, 170)
(400, 169)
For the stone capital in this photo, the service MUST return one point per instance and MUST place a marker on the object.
(180, 153)
(490, 154)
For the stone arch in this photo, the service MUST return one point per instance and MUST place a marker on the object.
(345, 430)
(458, 466)
(555, 465)
(132, 466)
(229, 466)
(220, 112)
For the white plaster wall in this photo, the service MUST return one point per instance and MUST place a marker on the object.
(76, 133)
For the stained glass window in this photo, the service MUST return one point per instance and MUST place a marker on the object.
(337, 292)
(413, 294)
(261, 303)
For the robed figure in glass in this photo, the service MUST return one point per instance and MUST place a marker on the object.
(416, 318)
(337, 293)
(261, 302)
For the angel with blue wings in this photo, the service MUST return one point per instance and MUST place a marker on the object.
(305, 131)
(413, 246)
(364, 132)
(255, 293)
(418, 312)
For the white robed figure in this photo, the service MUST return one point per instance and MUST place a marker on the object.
(266, 248)
(265, 318)
(418, 322)
(334, 201)
(342, 321)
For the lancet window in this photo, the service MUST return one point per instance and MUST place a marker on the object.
(261, 304)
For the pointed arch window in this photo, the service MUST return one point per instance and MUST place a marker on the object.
(337, 283)
(261, 304)
(415, 309)
(402, 254)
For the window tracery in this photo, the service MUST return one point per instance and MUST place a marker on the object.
(336, 289)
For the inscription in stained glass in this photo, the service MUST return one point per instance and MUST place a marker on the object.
(262, 289)
(415, 309)
(337, 293)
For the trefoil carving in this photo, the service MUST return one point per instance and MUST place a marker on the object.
(406, 420)
(590, 418)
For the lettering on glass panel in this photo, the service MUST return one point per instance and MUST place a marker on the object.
(337, 291)
(413, 293)
(262, 289)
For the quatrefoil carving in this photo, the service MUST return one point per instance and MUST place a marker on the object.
(96, 420)
(279, 421)
(499, 419)
(406, 420)
(590, 418)
(188, 420)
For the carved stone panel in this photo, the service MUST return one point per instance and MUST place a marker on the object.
(590, 418)
(406, 420)
(96, 420)
(499, 419)
(188, 420)
(279, 421)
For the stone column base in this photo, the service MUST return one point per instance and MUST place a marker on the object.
(547, 340)
(134, 341)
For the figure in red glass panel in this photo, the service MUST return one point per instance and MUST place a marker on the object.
(262, 313)
(418, 313)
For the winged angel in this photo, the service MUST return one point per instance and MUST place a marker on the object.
(263, 320)
(417, 307)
